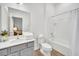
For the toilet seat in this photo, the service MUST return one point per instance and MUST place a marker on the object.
(46, 47)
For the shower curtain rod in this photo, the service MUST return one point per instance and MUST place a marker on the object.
(65, 12)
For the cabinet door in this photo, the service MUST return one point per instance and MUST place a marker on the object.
(30, 44)
(27, 51)
(3, 52)
(14, 54)
(18, 47)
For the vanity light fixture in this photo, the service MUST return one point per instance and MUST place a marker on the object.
(19, 3)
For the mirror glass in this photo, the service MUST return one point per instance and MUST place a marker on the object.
(17, 25)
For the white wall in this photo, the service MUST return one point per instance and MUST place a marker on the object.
(37, 17)
(0, 19)
(64, 29)
(62, 32)
(15, 6)
(49, 11)
(76, 41)
(4, 18)
(64, 7)
(60, 8)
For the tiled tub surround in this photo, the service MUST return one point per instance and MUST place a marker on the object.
(18, 47)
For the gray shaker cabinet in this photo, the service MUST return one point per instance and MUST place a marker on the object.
(14, 54)
(27, 52)
(3, 52)
(18, 47)
(24, 49)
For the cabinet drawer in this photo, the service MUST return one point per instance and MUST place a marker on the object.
(27, 52)
(3, 52)
(31, 44)
(14, 54)
(18, 47)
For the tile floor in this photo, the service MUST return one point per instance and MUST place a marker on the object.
(53, 53)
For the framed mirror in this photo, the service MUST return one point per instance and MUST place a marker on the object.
(19, 21)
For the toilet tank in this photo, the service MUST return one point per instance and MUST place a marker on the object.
(41, 38)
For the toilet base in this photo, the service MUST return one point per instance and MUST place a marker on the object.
(45, 53)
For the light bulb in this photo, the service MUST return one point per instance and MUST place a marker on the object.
(15, 28)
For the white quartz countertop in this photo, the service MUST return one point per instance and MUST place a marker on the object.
(13, 42)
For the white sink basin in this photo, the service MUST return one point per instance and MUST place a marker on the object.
(16, 39)
(19, 38)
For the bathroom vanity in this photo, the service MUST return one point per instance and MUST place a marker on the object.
(17, 47)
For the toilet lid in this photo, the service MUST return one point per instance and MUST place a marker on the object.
(46, 45)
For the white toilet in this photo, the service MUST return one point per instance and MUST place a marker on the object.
(45, 48)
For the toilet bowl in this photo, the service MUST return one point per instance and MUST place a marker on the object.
(45, 48)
